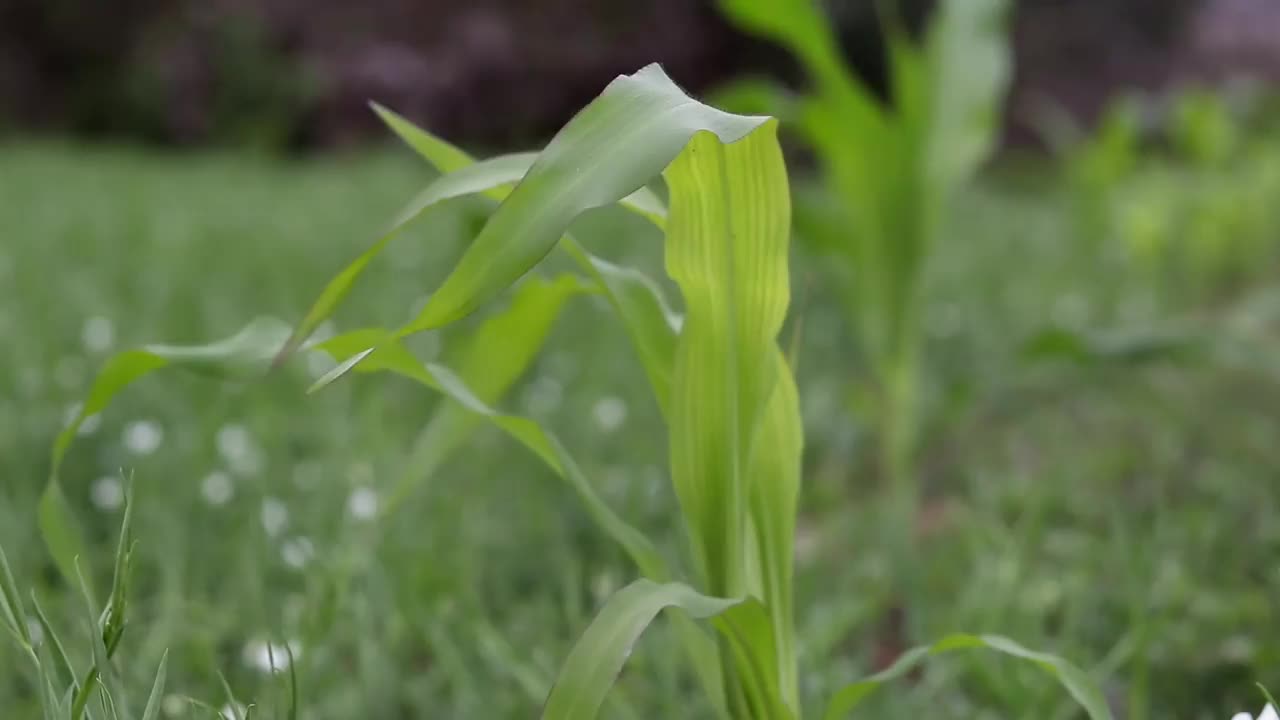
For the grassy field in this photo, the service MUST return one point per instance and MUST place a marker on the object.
(1118, 508)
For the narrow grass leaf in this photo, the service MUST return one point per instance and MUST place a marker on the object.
(1073, 679)
(156, 699)
(15, 617)
(597, 658)
(236, 712)
(51, 639)
(103, 672)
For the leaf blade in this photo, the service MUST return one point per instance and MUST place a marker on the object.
(598, 656)
(1073, 679)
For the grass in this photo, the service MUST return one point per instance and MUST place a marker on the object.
(1121, 516)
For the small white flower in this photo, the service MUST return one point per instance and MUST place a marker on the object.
(142, 437)
(610, 412)
(363, 503)
(1268, 713)
(297, 552)
(174, 705)
(275, 516)
(238, 450)
(269, 657)
(232, 713)
(98, 334)
(36, 631)
(107, 493)
(217, 488)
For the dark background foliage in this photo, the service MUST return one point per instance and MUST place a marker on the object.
(295, 73)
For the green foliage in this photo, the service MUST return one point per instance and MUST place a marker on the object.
(1076, 682)
(1188, 203)
(892, 171)
(62, 692)
(733, 414)
(720, 377)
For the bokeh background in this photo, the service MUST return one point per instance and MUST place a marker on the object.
(1103, 325)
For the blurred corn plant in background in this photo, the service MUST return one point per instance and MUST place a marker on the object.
(720, 378)
(1182, 194)
(889, 168)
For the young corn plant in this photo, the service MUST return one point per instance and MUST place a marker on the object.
(722, 383)
(889, 170)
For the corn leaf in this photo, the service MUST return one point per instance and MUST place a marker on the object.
(490, 360)
(1076, 682)
(395, 358)
(734, 423)
(636, 299)
(243, 355)
(492, 177)
(598, 656)
(611, 148)
(615, 145)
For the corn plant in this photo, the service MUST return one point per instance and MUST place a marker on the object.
(890, 171)
(721, 380)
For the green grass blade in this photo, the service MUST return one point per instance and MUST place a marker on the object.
(244, 354)
(292, 713)
(597, 658)
(236, 712)
(113, 626)
(51, 638)
(156, 699)
(14, 615)
(103, 672)
(394, 357)
(1073, 679)
(490, 360)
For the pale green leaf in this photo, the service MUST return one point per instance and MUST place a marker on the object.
(52, 640)
(1073, 679)
(734, 420)
(610, 149)
(597, 658)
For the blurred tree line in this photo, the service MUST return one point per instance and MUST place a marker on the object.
(297, 73)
